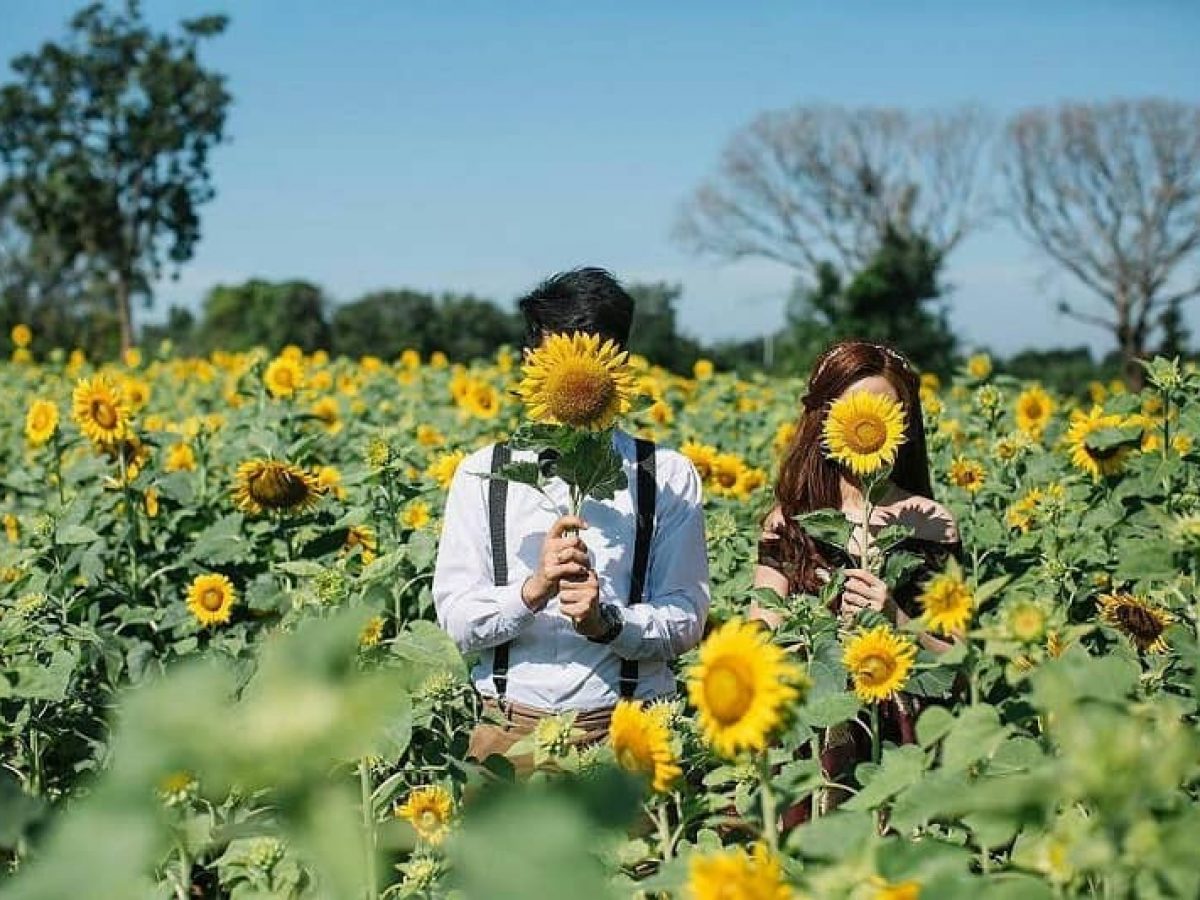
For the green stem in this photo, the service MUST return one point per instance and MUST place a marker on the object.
(767, 796)
(368, 822)
(183, 888)
(875, 742)
(666, 841)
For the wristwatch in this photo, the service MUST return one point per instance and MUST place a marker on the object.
(611, 622)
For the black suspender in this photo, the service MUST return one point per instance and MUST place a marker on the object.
(497, 502)
(646, 498)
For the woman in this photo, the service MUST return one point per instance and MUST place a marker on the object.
(792, 561)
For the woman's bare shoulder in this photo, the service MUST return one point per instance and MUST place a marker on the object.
(928, 519)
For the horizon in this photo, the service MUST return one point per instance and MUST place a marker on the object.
(484, 150)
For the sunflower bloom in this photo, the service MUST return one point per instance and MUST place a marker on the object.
(284, 376)
(979, 366)
(967, 474)
(481, 400)
(742, 687)
(21, 335)
(361, 536)
(702, 456)
(1034, 410)
(210, 599)
(443, 468)
(1097, 463)
(41, 422)
(180, 458)
(416, 515)
(99, 409)
(372, 633)
(641, 740)
(428, 809)
(735, 874)
(575, 380)
(863, 431)
(270, 485)
(1141, 621)
(947, 602)
(1026, 621)
(879, 661)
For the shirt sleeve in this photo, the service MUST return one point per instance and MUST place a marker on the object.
(476, 613)
(670, 619)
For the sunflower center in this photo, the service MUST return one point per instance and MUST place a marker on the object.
(1139, 622)
(1106, 454)
(103, 413)
(876, 669)
(1027, 624)
(212, 599)
(429, 819)
(277, 487)
(869, 434)
(579, 393)
(1033, 409)
(729, 692)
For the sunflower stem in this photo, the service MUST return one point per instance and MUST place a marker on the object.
(666, 839)
(767, 796)
(875, 742)
(369, 837)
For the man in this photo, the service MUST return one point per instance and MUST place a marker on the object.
(571, 614)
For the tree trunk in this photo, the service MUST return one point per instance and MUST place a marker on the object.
(124, 313)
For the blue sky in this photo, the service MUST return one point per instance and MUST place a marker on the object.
(480, 145)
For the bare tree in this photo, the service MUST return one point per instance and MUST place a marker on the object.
(817, 183)
(1111, 192)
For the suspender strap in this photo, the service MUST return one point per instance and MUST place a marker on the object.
(497, 502)
(647, 497)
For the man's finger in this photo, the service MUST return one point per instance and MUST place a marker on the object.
(565, 524)
(563, 571)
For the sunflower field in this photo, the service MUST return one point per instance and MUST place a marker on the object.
(220, 674)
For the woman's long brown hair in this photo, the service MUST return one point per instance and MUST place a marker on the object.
(808, 481)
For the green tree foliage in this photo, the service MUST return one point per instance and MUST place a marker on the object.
(894, 298)
(655, 330)
(104, 148)
(462, 326)
(266, 314)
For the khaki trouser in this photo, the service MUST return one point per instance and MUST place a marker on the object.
(517, 721)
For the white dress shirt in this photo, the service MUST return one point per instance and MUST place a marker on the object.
(552, 667)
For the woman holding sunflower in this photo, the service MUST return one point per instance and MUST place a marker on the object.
(859, 448)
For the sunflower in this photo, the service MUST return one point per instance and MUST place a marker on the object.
(979, 366)
(270, 485)
(136, 392)
(443, 468)
(372, 633)
(326, 410)
(416, 515)
(99, 409)
(22, 335)
(284, 376)
(947, 602)
(150, 499)
(578, 381)
(725, 474)
(1034, 409)
(863, 431)
(41, 422)
(361, 536)
(180, 458)
(210, 599)
(641, 740)
(130, 453)
(1026, 621)
(783, 436)
(660, 413)
(742, 686)
(967, 474)
(703, 369)
(410, 359)
(1096, 463)
(735, 874)
(878, 661)
(428, 810)
(702, 456)
(902, 890)
(428, 436)
(329, 480)
(438, 360)
(1142, 622)
(481, 400)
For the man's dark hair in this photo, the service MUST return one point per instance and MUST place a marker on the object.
(589, 300)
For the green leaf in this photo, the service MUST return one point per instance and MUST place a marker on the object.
(976, 734)
(829, 836)
(934, 724)
(826, 524)
(75, 534)
(901, 767)
(523, 472)
(535, 436)
(827, 711)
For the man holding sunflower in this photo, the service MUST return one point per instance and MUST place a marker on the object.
(572, 600)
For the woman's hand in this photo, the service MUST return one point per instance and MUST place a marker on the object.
(864, 591)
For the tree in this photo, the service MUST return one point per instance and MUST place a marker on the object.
(814, 184)
(893, 299)
(1111, 192)
(264, 314)
(655, 334)
(469, 327)
(104, 147)
(383, 323)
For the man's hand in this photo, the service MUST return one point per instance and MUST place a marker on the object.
(580, 602)
(563, 557)
(866, 591)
